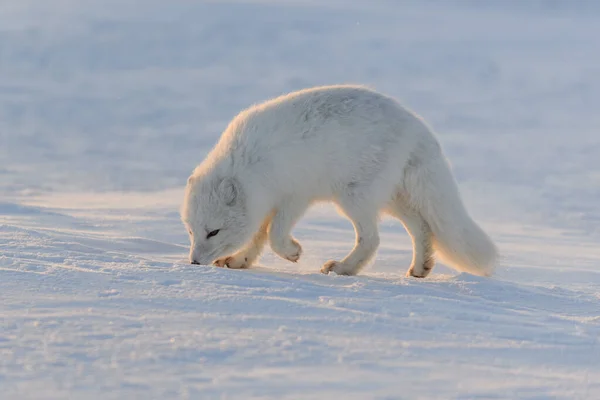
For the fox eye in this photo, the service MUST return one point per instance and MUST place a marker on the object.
(212, 233)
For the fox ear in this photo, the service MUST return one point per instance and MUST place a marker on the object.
(229, 191)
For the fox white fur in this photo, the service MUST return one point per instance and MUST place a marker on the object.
(346, 144)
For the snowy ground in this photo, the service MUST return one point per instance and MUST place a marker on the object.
(105, 108)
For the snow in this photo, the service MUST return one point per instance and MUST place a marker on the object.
(106, 107)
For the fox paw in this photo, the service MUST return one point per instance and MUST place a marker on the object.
(291, 251)
(416, 274)
(232, 262)
(421, 271)
(338, 267)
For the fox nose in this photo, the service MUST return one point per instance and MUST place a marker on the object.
(195, 262)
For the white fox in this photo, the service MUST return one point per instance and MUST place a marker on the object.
(347, 144)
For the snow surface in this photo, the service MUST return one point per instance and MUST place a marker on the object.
(106, 107)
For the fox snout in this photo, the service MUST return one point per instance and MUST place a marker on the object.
(199, 255)
(195, 257)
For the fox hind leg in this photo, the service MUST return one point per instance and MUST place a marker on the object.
(423, 259)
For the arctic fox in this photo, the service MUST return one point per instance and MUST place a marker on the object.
(343, 143)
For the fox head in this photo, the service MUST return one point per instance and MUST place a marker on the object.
(214, 213)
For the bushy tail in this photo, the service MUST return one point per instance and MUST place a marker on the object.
(458, 240)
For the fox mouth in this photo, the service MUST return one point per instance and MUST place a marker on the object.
(212, 256)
